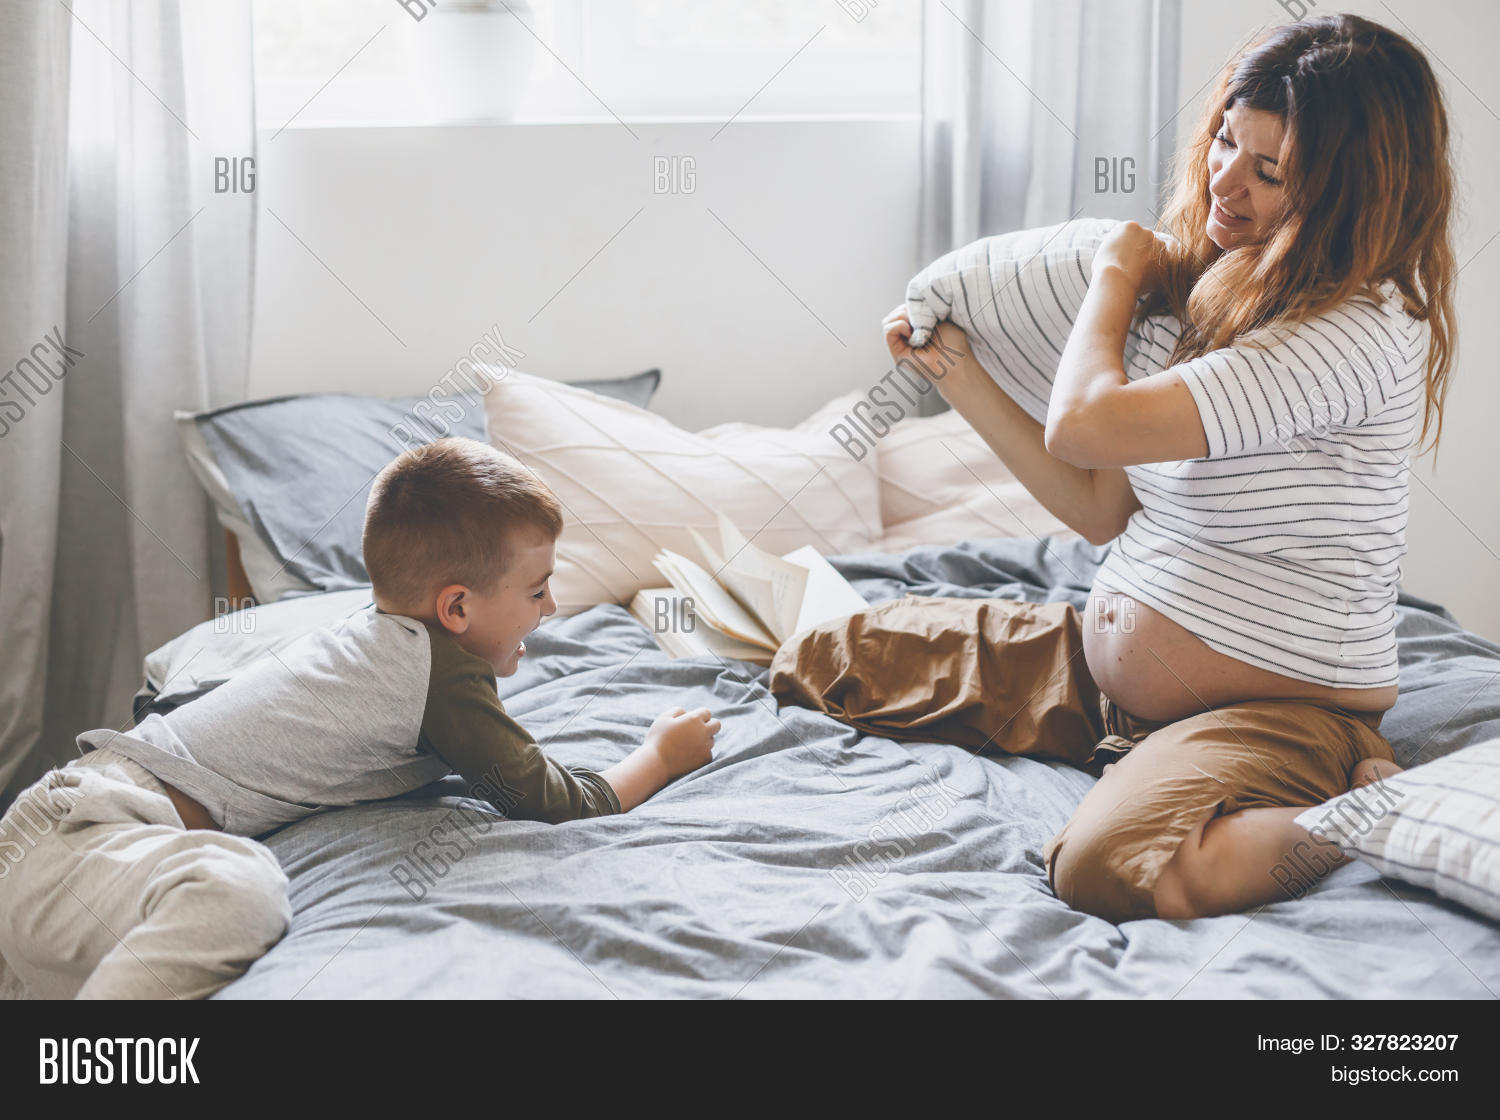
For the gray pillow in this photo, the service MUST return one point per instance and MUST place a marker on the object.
(289, 476)
(637, 389)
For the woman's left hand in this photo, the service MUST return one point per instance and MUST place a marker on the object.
(1137, 251)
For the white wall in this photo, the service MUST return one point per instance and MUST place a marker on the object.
(447, 232)
(1454, 533)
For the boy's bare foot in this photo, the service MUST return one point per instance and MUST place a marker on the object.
(1368, 770)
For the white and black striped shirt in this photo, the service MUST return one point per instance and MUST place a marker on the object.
(1282, 547)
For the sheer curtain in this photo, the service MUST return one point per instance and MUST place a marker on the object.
(127, 282)
(1036, 112)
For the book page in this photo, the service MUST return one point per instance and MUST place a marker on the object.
(711, 603)
(755, 589)
(828, 595)
(710, 555)
(687, 634)
(772, 588)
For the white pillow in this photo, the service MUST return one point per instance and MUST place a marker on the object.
(940, 484)
(1435, 826)
(632, 483)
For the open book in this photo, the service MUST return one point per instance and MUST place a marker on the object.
(745, 603)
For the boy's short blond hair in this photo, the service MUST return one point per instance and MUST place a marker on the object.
(447, 512)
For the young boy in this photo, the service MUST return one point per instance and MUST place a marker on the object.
(130, 873)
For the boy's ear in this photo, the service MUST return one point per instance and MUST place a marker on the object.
(451, 612)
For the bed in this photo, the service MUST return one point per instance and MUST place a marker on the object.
(808, 860)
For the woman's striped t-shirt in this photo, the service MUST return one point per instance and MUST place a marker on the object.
(1282, 547)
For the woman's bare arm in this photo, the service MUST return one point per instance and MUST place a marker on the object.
(1096, 416)
(1095, 503)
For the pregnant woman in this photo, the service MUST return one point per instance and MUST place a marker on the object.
(1234, 409)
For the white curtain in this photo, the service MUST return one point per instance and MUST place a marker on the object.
(121, 241)
(1036, 112)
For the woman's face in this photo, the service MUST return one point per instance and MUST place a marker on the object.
(1244, 188)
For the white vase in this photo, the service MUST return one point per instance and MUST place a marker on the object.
(471, 59)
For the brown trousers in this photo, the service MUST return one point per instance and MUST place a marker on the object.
(1009, 677)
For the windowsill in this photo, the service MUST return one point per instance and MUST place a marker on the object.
(822, 118)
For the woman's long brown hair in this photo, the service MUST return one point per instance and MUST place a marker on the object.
(1369, 193)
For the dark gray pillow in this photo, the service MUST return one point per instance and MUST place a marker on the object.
(292, 474)
(637, 390)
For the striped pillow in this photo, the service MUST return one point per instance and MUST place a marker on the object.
(1435, 826)
(1013, 294)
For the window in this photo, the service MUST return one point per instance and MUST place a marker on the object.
(373, 61)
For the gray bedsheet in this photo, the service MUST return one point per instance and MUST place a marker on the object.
(810, 860)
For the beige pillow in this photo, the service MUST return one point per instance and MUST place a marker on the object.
(940, 484)
(631, 483)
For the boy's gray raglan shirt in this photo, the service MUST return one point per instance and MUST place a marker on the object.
(373, 707)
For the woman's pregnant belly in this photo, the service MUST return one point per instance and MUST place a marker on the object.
(1157, 670)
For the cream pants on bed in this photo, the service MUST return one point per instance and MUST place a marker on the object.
(105, 895)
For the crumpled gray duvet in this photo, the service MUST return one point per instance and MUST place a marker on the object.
(810, 860)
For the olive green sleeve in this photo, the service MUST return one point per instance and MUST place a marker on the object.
(466, 726)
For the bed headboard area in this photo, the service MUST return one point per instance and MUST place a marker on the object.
(236, 582)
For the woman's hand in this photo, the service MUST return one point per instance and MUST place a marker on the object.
(1137, 251)
(947, 349)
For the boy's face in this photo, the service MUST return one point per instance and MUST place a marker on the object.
(497, 622)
